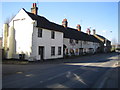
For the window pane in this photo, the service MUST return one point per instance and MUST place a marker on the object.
(52, 51)
(77, 41)
(71, 41)
(39, 32)
(59, 50)
(52, 34)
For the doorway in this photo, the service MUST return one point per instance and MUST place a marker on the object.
(41, 52)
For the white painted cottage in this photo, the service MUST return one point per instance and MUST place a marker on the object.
(33, 37)
(77, 42)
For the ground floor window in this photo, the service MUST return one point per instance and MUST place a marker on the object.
(72, 52)
(52, 51)
(59, 50)
(76, 50)
(67, 51)
(90, 50)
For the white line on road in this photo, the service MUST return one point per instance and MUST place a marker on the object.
(51, 78)
(65, 73)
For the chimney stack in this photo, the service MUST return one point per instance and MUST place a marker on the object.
(88, 31)
(78, 27)
(94, 31)
(64, 22)
(34, 9)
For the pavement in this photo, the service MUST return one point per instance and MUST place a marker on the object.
(112, 79)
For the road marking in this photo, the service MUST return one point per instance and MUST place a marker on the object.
(103, 82)
(19, 72)
(65, 73)
(51, 78)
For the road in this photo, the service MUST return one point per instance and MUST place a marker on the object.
(82, 72)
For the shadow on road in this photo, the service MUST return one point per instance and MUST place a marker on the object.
(68, 76)
(63, 75)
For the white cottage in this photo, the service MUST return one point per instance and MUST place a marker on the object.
(77, 42)
(33, 37)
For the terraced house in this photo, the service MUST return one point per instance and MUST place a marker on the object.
(33, 37)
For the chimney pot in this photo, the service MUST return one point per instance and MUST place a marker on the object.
(88, 31)
(34, 4)
(94, 31)
(64, 22)
(78, 27)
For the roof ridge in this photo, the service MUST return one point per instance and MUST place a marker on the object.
(68, 31)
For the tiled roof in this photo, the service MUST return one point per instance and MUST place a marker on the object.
(102, 37)
(71, 33)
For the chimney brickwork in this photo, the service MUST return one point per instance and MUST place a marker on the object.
(34, 9)
(94, 31)
(78, 27)
(88, 31)
(64, 22)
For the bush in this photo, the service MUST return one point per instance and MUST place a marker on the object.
(117, 48)
(67, 56)
(12, 61)
(113, 50)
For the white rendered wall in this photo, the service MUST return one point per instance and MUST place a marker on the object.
(23, 27)
(81, 44)
(66, 42)
(47, 42)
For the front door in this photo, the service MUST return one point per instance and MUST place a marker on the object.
(41, 52)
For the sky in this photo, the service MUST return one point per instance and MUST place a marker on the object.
(103, 16)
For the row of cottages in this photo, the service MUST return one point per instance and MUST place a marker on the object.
(33, 37)
(105, 43)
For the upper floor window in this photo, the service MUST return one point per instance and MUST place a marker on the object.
(39, 32)
(85, 42)
(52, 34)
(71, 41)
(76, 41)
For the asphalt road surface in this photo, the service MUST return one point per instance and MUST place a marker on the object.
(82, 72)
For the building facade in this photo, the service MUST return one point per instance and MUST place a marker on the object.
(33, 37)
(29, 40)
(105, 43)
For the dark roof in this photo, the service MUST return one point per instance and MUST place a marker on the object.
(100, 36)
(93, 38)
(42, 22)
(71, 33)
(103, 37)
